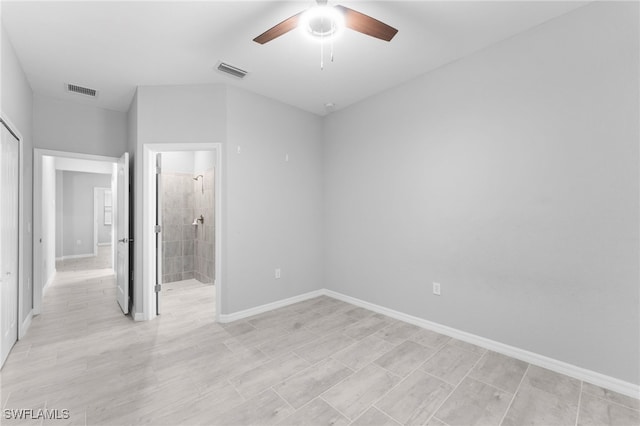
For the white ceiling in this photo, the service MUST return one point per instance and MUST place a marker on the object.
(116, 46)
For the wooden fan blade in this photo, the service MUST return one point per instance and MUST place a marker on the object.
(279, 29)
(366, 24)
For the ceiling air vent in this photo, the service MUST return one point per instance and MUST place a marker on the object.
(82, 90)
(230, 69)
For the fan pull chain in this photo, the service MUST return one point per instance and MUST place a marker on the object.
(333, 31)
(322, 54)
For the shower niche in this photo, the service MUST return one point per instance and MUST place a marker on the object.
(188, 232)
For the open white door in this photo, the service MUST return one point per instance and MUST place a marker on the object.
(9, 187)
(122, 233)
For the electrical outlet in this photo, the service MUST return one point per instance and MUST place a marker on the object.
(436, 289)
(278, 273)
(79, 242)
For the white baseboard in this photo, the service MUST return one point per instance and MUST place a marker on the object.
(25, 325)
(224, 318)
(103, 244)
(75, 256)
(561, 367)
(48, 284)
(137, 316)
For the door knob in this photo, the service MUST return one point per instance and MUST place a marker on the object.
(123, 240)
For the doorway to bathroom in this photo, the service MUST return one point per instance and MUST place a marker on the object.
(186, 269)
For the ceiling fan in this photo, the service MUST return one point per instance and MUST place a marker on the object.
(325, 22)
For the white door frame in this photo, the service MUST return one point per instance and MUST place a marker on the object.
(37, 213)
(149, 151)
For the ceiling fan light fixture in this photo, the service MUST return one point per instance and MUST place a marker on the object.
(322, 23)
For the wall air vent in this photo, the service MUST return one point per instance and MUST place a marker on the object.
(82, 90)
(230, 69)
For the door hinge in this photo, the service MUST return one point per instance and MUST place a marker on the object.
(157, 229)
(158, 170)
(157, 288)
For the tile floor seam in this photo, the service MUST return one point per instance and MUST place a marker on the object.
(412, 371)
(339, 382)
(504, 416)
(4, 406)
(374, 401)
(403, 379)
(272, 388)
(608, 401)
(454, 388)
(579, 402)
(238, 391)
(489, 384)
(390, 416)
(337, 360)
(337, 409)
(440, 420)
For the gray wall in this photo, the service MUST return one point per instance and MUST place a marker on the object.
(77, 211)
(68, 126)
(273, 208)
(511, 178)
(17, 104)
(170, 114)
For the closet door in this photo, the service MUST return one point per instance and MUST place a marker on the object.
(9, 185)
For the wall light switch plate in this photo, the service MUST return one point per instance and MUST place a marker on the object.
(278, 273)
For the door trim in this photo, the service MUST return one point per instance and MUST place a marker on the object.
(38, 153)
(96, 225)
(145, 278)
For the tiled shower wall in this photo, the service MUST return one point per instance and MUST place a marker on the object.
(204, 270)
(188, 250)
(178, 233)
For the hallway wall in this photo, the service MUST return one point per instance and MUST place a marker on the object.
(77, 212)
(68, 126)
(17, 104)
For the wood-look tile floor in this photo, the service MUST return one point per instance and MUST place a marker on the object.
(318, 362)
